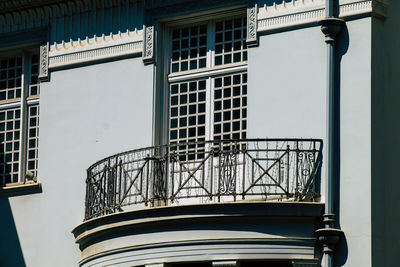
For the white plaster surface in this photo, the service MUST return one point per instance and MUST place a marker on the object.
(86, 114)
(355, 137)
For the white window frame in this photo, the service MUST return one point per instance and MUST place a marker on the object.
(24, 102)
(210, 72)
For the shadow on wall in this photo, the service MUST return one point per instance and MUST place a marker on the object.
(104, 19)
(10, 248)
(342, 47)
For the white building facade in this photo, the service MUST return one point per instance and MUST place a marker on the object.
(194, 133)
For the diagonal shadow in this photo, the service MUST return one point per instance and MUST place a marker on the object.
(10, 247)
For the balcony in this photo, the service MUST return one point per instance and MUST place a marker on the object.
(205, 172)
(216, 201)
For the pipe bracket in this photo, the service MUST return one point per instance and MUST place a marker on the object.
(331, 27)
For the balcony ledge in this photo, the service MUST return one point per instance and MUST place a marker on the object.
(288, 226)
(19, 189)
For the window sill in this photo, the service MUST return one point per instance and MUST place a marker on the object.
(205, 72)
(19, 189)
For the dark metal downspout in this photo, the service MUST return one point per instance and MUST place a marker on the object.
(330, 235)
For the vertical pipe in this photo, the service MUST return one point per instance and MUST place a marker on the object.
(329, 8)
(330, 46)
(331, 27)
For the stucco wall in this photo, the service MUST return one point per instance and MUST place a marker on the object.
(287, 87)
(286, 96)
(86, 114)
(355, 144)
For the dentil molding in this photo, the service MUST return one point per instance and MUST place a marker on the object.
(80, 31)
(95, 48)
(301, 12)
(84, 31)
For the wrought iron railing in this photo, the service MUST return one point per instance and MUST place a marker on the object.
(205, 172)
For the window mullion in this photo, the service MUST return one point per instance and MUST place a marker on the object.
(209, 109)
(210, 44)
(24, 124)
(210, 64)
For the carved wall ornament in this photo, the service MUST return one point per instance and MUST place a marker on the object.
(44, 62)
(252, 25)
(148, 53)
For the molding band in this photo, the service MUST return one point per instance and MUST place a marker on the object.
(67, 22)
(300, 12)
(96, 54)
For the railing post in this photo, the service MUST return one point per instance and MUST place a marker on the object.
(119, 183)
(244, 172)
(166, 174)
(172, 176)
(235, 151)
(115, 177)
(287, 171)
(212, 178)
(147, 179)
(219, 173)
(87, 199)
(297, 168)
(104, 204)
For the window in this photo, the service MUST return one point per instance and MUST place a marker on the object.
(207, 84)
(19, 116)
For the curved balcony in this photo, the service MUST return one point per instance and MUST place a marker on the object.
(205, 172)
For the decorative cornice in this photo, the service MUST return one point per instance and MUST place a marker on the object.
(96, 48)
(301, 12)
(355, 8)
(96, 54)
(70, 19)
(148, 47)
(119, 23)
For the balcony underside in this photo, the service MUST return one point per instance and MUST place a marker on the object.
(209, 232)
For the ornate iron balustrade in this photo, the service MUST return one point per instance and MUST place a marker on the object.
(205, 172)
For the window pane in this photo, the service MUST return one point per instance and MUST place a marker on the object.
(230, 36)
(33, 138)
(10, 78)
(189, 47)
(190, 112)
(9, 146)
(228, 123)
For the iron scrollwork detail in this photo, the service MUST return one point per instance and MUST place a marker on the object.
(227, 177)
(159, 190)
(305, 175)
